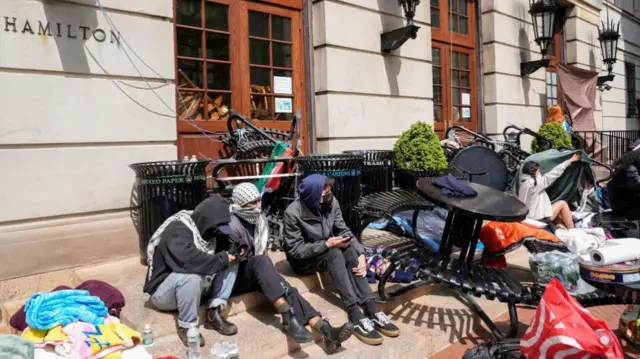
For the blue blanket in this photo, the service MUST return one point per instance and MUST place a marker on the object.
(47, 310)
(430, 226)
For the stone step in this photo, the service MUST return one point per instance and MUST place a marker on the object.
(129, 275)
(428, 324)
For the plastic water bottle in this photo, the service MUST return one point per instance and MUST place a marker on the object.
(147, 336)
(193, 159)
(193, 343)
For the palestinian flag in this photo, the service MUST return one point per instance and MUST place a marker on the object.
(270, 184)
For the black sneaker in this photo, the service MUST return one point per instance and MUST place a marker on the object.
(384, 325)
(334, 336)
(366, 332)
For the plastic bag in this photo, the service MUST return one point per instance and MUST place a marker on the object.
(562, 328)
(563, 266)
(502, 349)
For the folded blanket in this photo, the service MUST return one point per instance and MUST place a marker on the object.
(19, 319)
(47, 310)
(110, 295)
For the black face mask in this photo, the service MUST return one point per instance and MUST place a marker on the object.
(326, 201)
(210, 234)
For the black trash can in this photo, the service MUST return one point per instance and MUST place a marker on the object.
(347, 172)
(163, 189)
(377, 170)
(406, 179)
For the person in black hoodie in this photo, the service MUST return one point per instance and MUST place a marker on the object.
(624, 187)
(250, 235)
(185, 268)
(317, 240)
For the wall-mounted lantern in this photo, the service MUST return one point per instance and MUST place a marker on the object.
(608, 36)
(543, 16)
(393, 39)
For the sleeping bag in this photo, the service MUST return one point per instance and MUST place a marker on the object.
(500, 238)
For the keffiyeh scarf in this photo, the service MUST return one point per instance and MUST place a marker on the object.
(183, 216)
(246, 193)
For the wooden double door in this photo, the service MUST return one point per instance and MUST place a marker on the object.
(454, 71)
(239, 55)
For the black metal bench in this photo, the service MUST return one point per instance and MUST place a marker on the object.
(384, 205)
(469, 280)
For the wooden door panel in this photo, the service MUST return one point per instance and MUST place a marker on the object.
(201, 146)
(200, 34)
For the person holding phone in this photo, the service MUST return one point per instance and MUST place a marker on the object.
(318, 240)
(249, 236)
(186, 266)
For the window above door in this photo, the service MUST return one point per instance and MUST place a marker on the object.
(453, 21)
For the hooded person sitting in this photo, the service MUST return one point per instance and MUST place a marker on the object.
(250, 234)
(184, 267)
(318, 240)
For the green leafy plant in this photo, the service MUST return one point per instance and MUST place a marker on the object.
(419, 149)
(554, 132)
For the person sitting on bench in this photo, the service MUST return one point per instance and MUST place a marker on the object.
(185, 268)
(249, 235)
(317, 239)
(533, 193)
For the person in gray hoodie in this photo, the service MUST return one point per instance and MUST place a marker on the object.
(317, 240)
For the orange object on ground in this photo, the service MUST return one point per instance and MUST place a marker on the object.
(499, 237)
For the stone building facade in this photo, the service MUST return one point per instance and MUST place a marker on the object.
(91, 86)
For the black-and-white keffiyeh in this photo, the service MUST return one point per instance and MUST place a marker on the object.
(184, 217)
(243, 194)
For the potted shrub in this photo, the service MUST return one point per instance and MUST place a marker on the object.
(554, 132)
(416, 154)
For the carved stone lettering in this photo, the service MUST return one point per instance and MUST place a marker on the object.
(27, 28)
(99, 35)
(85, 29)
(10, 23)
(115, 37)
(46, 28)
(69, 33)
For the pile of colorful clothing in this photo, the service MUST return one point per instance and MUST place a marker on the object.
(79, 323)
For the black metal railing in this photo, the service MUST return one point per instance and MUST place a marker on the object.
(606, 146)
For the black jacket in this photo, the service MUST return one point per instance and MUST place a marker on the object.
(241, 237)
(176, 251)
(624, 188)
(306, 230)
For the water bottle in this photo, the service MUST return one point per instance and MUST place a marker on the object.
(147, 336)
(185, 159)
(193, 343)
(193, 159)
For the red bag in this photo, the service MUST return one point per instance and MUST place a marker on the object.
(563, 329)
